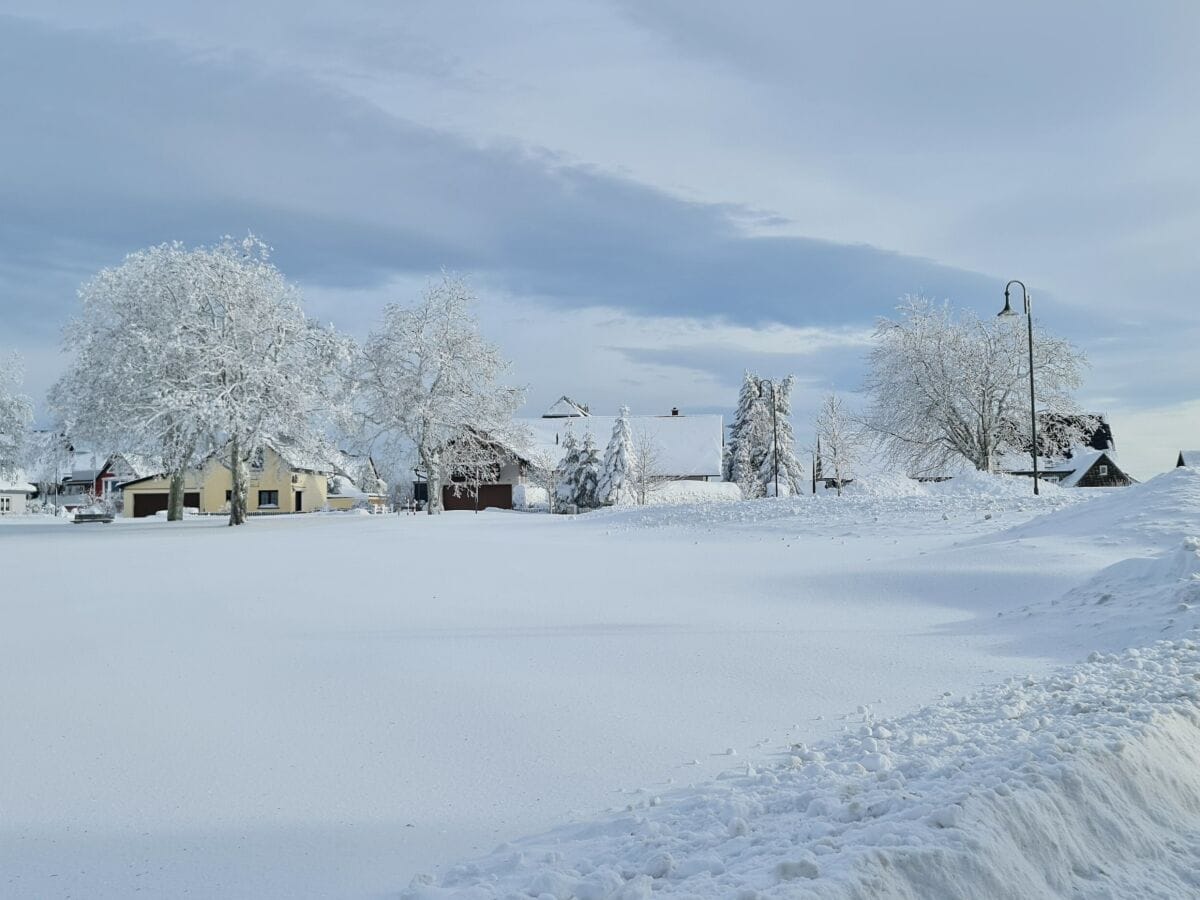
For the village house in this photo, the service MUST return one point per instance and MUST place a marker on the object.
(1090, 464)
(15, 494)
(282, 479)
(685, 448)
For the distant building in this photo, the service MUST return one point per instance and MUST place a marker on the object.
(687, 448)
(14, 495)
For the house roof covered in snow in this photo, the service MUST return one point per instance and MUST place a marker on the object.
(16, 484)
(687, 446)
(565, 407)
(1189, 458)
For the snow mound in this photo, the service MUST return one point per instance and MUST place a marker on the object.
(1085, 783)
(1127, 603)
(1156, 514)
(674, 492)
(983, 484)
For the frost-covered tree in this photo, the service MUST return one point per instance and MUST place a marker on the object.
(946, 386)
(648, 471)
(270, 373)
(617, 474)
(744, 474)
(778, 457)
(587, 474)
(746, 433)
(179, 350)
(427, 377)
(567, 469)
(136, 380)
(16, 412)
(839, 441)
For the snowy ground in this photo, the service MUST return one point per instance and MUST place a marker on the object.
(330, 706)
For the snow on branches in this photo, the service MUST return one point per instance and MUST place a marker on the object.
(428, 379)
(946, 386)
(181, 351)
(761, 443)
(16, 412)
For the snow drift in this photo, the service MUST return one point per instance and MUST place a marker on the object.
(1085, 783)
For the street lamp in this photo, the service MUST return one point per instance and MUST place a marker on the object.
(1009, 311)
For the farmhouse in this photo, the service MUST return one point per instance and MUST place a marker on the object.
(1087, 467)
(684, 448)
(1090, 464)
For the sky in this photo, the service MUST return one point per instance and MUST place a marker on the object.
(649, 198)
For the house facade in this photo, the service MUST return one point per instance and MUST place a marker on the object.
(686, 448)
(14, 495)
(275, 484)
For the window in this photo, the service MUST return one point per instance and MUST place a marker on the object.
(268, 499)
(5, 504)
(228, 496)
(1101, 470)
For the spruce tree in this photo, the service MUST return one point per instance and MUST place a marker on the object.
(743, 423)
(587, 474)
(616, 482)
(778, 439)
(564, 472)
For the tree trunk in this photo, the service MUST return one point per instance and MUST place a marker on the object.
(237, 495)
(175, 498)
(433, 484)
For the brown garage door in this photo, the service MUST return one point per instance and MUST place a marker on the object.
(498, 496)
(148, 504)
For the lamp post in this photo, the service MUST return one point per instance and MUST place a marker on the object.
(1009, 311)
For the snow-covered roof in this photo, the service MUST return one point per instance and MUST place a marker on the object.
(687, 445)
(1190, 458)
(565, 407)
(16, 484)
(1081, 462)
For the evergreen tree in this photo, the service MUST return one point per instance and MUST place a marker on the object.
(743, 423)
(616, 482)
(587, 474)
(565, 472)
(744, 473)
(778, 439)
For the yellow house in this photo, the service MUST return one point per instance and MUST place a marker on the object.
(277, 483)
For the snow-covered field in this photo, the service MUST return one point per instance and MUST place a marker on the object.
(700, 699)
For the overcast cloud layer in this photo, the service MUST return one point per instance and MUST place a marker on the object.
(650, 197)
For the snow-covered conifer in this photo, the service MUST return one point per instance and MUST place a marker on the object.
(587, 473)
(617, 474)
(566, 472)
(779, 442)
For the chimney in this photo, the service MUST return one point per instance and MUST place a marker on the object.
(674, 410)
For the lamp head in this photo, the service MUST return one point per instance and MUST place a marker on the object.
(1008, 310)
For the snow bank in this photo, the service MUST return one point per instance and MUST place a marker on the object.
(1155, 515)
(673, 492)
(976, 484)
(530, 496)
(1085, 783)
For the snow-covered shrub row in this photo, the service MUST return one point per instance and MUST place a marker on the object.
(1085, 783)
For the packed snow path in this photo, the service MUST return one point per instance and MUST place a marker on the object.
(328, 706)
